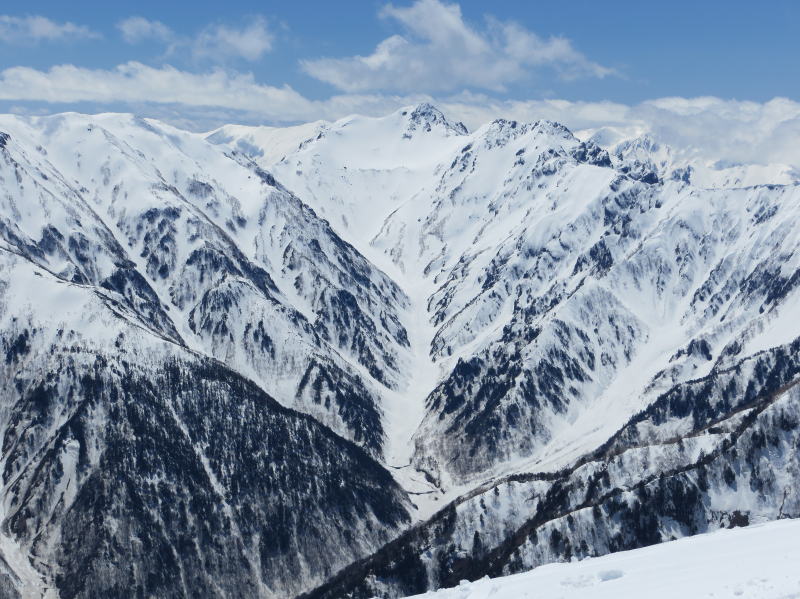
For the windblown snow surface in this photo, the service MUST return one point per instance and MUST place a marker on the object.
(758, 562)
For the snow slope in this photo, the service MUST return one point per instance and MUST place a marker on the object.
(212, 253)
(643, 155)
(134, 466)
(270, 144)
(758, 562)
(556, 289)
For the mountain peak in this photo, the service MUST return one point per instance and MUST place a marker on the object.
(543, 133)
(644, 143)
(425, 117)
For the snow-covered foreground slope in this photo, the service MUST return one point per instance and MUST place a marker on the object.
(759, 561)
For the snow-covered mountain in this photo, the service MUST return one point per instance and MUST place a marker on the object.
(147, 320)
(555, 285)
(643, 156)
(209, 252)
(381, 355)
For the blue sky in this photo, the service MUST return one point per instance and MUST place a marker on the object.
(275, 62)
(733, 49)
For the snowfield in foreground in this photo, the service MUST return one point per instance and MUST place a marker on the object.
(761, 561)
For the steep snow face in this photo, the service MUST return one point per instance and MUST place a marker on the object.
(561, 288)
(133, 466)
(210, 252)
(355, 173)
(593, 320)
(758, 561)
(359, 170)
(421, 189)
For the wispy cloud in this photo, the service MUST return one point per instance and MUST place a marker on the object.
(34, 28)
(219, 41)
(134, 82)
(439, 51)
(214, 43)
(138, 29)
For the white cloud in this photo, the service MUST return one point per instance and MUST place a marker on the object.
(221, 42)
(34, 28)
(136, 82)
(235, 95)
(440, 52)
(138, 29)
(215, 43)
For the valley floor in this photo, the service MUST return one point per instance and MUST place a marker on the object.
(758, 562)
